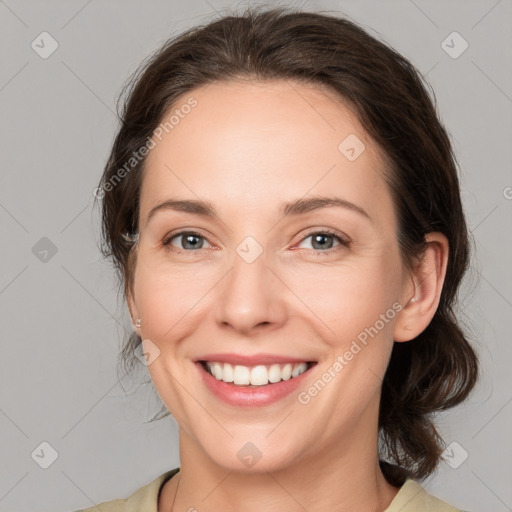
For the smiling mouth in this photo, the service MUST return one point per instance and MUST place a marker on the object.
(255, 376)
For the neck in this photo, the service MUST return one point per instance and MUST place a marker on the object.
(345, 476)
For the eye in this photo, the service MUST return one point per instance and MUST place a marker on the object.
(188, 241)
(322, 240)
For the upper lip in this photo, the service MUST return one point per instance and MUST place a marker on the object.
(252, 360)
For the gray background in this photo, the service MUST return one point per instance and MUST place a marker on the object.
(60, 320)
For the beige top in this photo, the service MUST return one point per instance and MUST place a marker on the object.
(410, 498)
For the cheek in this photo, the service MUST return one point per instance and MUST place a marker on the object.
(347, 299)
(340, 300)
(168, 302)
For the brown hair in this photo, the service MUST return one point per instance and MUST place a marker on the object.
(439, 368)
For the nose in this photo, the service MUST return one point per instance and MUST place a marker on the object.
(251, 297)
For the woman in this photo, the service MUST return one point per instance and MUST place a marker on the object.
(282, 205)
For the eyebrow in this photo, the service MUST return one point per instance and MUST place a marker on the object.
(292, 208)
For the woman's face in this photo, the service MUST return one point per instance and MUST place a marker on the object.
(254, 280)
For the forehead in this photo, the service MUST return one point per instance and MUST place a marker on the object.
(254, 142)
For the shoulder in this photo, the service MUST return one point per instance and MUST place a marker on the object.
(144, 498)
(106, 506)
(412, 497)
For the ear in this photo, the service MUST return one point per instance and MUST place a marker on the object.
(134, 314)
(421, 299)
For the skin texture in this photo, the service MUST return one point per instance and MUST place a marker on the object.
(247, 148)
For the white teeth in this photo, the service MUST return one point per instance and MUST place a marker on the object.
(259, 375)
(274, 373)
(217, 370)
(297, 370)
(286, 372)
(240, 376)
(228, 373)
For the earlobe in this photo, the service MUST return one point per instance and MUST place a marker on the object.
(136, 321)
(428, 279)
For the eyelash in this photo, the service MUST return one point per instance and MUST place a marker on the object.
(344, 242)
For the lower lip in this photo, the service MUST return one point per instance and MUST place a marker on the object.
(258, 396)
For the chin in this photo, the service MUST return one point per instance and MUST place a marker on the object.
(251, 455)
